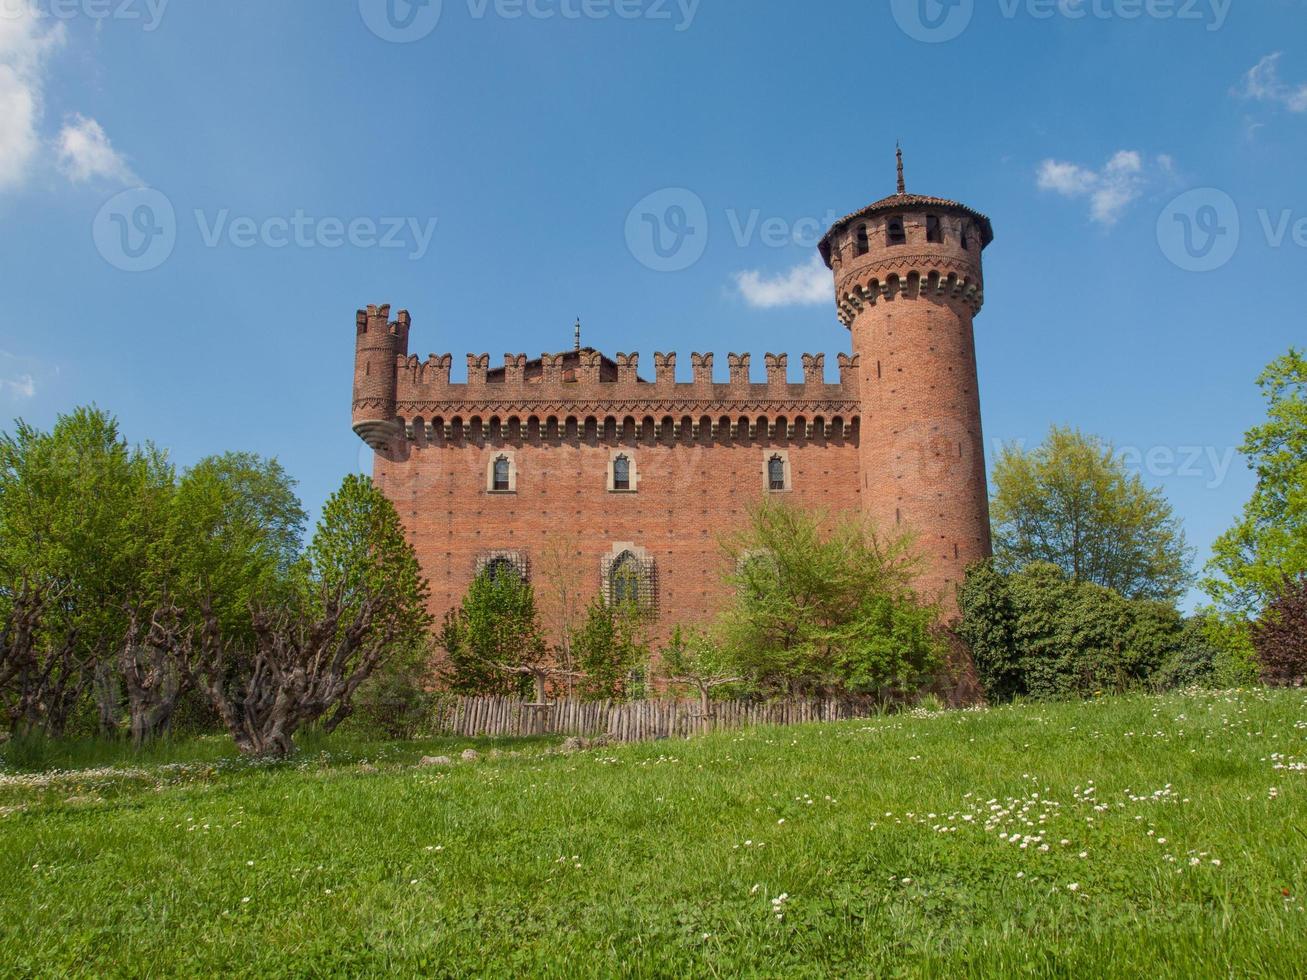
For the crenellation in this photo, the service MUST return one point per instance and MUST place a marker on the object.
(551, 369)
(814, 369)
(514, 370)
(664, 368)
(628, 368)
(849, 371)
(478, 366)
(436, 370)
(589, 367)
(777, 368)
(701, 364)
(738, 365)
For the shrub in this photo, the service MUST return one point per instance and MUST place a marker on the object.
(1280, 637)
(826, 606)
(493, 640)
(611, 652)
(1195, 660)
(1036, 633)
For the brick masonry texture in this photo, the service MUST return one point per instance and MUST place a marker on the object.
(898, 438)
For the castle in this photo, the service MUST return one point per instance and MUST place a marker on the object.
(643, 476)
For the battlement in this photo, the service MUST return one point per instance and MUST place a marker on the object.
(588, 375)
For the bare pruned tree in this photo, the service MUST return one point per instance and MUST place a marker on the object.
(358, 598)
(42, 673)
(157, 665)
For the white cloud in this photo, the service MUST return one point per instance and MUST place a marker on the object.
(1263, 84)
(1111, 189)
(19, 388)
(27, 42)
(808, 284)
(85, 152)
(24, 48)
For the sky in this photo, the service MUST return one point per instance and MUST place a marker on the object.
(196, 197)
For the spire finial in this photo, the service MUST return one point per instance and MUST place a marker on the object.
(898, 152)
(577, 341)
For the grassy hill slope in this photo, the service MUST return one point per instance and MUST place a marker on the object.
(1165, 836)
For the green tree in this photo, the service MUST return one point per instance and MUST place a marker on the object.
(694, 659)
(1268, 544)
(80, 512)
(229, 543)
(821, 607)
(493, 641)
(1038, 633)
(1072, 503)
(611, 651)
(357, 598)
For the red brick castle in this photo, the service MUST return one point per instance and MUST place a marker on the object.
(645, 475)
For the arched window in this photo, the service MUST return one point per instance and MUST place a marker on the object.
(500, 567)
(624, 580)
(502, 481)
(776, 473)
(894, 233)
(863, 246)
(966, 237)
(934, 231)
(622, 473)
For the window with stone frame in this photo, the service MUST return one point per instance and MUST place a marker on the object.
(502, 475)
(894, 232)
(776, 473)
(622, 472)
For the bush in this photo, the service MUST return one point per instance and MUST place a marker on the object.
(493, 638)
(1036, 633)
(611, 652)
(1280, 637)
(827, 607)
(1195, 661)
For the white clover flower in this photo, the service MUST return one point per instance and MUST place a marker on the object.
(1073, 887)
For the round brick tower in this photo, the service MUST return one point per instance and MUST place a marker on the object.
(377, 346)
(907, 284)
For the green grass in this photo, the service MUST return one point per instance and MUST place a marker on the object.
(891, 839)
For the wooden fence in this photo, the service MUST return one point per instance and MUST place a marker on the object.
(631, 721)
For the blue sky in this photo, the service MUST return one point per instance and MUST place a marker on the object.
(498, 150)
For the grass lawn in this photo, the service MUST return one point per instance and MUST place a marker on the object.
(1128, 837)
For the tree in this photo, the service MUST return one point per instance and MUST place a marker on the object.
(1038, 633)
(1269, 542)
(563, 594)
(1280, 636)
(229, 542)
(1072, 503)
(80, 514)
(610, 650)
(822, 608)
(694, 659)
(493, 640)
(357, 596)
